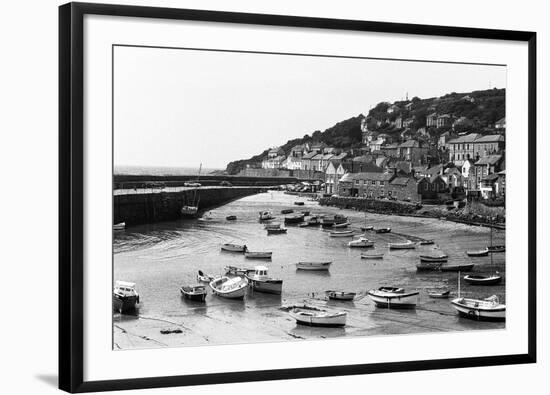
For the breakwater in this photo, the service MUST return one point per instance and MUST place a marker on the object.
(371, 205)
(139, 208)
(125, 181)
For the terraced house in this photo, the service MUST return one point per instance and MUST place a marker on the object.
(370, 185)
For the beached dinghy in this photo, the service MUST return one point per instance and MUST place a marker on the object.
(294, 219)
(327, 222)
(500, 248)
(424, 266)
(439, 294)
(313, 316)
(233, 247)
(426, 242)
(194, 292)
(231, 218)
(287, 211)
(366, 228)
(299, 203)
(231, 288)
(265, 216)
(361, 242)
(479, 279)
(313, 266)
(483, 252)
(276, 231)
(393, 298)
(258, 254)
(305, 212)
(203, 277)
(341, 233)
(125, 296)
(340, 295)
(434, 258)
(408, 245)
(119, 226)
(489, 309)
(460, 267)
(376, 255)
(383, 230)
(272, 226)
(260, 281)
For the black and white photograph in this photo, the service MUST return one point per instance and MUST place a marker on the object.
(284, 197)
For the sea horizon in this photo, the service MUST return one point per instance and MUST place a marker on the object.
(162, 170)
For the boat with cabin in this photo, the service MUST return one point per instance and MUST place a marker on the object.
(203, 277)
(313, 266)
(237, 271)
(393, 298)
(488, 309)
(313, 316)
(196, 293)
(361, 242)
(229, 287)
(125, 296)
(260, 281)
(265, 215)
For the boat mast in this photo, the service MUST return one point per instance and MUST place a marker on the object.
(459, 283)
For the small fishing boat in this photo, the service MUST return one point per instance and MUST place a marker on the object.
(340, 295)
(258, 254)
(341, 225)
(489, 309)
(361, 242)
(500, 248)
(483, 252)
(424, 266)
(479, 279)
(119, 226)
(276, 231)
(376, 255)
(314, 220)
(237, 271)
(125, 296)
(233, 247)
(294, 219)
(393, 297)
(434, 258)
(313, 266)
(231, 288)
(194, 292)
(425, 242)
(287, 211)
(439, 294)
(305, 212)
(341, 233)
(367, 228)
(189, 211)
(260, 281)
(408, 245)
(231, 217)
(461, 267)
(203, 277)
(339, 218)
(383, 230)
(272, 226)
(265, 215)
(327, 222)
(299, 203)
(313, 316)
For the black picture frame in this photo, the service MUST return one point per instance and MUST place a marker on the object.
(71, 225)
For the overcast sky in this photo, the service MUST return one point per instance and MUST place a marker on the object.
(183, 107)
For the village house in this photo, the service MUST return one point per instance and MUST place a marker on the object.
(393, 108)
(412, 150)
(443, 120)
(407, 123)
(307, 161)
(409, 106)
(484, 167)
(318, 147)
(404, 188)
(430, 188)
(453, 177)
(324, 161)
(376, 144)
(500, 124)
(488, 145)
(275, 159)
(334, 172)
(462, 148)
(398, 123)
(369, 185)
(431, 120)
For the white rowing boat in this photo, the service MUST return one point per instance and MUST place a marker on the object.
(313, 316)
(231, 288)
(313, 266)
(408, 245)
(258, 254)
(379, 255)
(233, 247)
(342, 233)
(393, 298)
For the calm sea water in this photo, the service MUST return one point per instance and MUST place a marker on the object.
(163, 256)
(161, 170)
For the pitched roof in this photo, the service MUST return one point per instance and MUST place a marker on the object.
(368, 176)
(490, 138)
(309, 155)
(318, 157)
(434, 169)
(468, 138)
(491, 177)
(409, 144)
(402, 180)
(340, 156)
(489, 160)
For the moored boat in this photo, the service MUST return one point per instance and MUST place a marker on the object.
(276, 231)
(314, 220)
(434, 258)
(299, 203)
(426, 242)
(383, 230)
(287, 211)
(265, 215)
(424, 266)
(376, 255)
(366, 228)
(258, 254)
(125, 296)
(231, 217)
(294, 219)
(341, 233)
(393, 297)
(237, 271)
(231, 288)
(233, 247)
(260, 281)
(500, 248)
(203, 277)
(313, 266)
(489, 309)
(483, 252)
(361, 242)
(340, 295)
(272, 226)
(119, 226)
(305, 212)
(194, 292)
(460, 267)
(408, 245)
(479, 279)
(439, 294)
(341, 225)
(189, 211)
(313, 316)
(327, 222)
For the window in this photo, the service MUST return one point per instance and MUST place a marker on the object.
(373, 182)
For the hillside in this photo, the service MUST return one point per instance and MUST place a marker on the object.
(478, 111)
